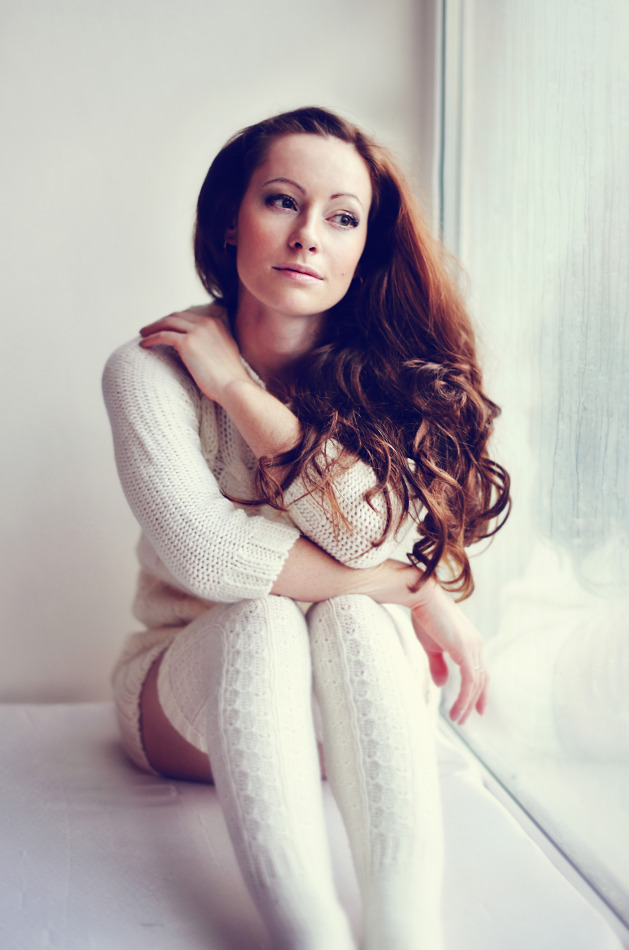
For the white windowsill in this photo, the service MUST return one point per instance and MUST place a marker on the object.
(537, 834)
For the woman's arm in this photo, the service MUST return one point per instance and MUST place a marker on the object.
(212, 548)
(211, 355)
(310, 574)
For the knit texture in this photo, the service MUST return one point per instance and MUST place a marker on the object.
(177, 453)
(255, 658)
(196, 544)
(236, 677)
(381, 763)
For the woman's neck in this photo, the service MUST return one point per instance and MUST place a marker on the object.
(272, 342)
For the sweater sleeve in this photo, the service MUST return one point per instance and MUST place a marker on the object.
(352, 546)
(212, 548)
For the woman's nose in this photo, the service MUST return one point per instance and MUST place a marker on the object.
(303, 237)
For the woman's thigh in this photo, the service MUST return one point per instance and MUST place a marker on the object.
(178, 687)
(168, 752)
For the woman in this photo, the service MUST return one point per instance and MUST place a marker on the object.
(278, 447)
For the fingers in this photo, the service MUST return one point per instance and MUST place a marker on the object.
(436, 660)
(481, 702)
(190, 333)
(169, 331)
(438, 668)
(182, 321)
(165, 324)
(442, 629)
(473, 692)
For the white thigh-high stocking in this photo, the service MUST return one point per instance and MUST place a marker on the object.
(264, 759)
(381, 763)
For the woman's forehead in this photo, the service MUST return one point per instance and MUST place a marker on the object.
(317, 161)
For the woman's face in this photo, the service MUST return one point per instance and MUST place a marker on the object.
(302, 225)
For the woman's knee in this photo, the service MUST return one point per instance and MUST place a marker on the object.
(271, 611)
(263, 622)
(224, 632)
(355, 607)
(257, 611)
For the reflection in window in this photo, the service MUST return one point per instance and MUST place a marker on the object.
(536, 205)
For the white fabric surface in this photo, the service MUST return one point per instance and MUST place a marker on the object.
(98, 856)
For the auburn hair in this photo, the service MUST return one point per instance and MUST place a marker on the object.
(396, 380)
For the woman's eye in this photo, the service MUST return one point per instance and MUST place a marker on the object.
(284, 202)
(345, 220)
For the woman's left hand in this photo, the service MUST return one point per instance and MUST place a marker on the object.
(442, 628)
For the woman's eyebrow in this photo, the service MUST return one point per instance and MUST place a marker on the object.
(289, 181)
(348, 194)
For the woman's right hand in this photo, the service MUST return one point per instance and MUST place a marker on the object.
(211, 356)
(310, 575)
(441, 628)
(205, 345)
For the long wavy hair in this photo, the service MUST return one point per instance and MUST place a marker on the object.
(396, 380)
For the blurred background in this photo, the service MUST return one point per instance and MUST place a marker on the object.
(511, 120)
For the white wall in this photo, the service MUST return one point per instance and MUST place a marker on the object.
(110, 115)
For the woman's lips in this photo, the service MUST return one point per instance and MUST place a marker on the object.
(298, 272)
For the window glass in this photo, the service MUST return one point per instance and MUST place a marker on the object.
(536, 204)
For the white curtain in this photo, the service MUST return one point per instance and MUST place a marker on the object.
(536, 204)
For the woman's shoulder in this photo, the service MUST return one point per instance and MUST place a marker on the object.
(124, 355)
(131, 363)
(134, 376)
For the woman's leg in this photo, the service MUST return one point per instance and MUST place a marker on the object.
(381, 763)
(253, 661)
(166, 749)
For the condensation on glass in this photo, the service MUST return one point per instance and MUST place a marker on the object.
(536, 204)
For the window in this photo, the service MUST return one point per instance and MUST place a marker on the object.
(535, 202)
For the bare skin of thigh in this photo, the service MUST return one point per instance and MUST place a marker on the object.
(167, 751)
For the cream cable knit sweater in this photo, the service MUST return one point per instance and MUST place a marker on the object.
(176, 452)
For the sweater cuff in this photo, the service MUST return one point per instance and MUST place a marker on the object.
(258, 563)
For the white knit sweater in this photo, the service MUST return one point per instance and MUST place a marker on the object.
(177, 452)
